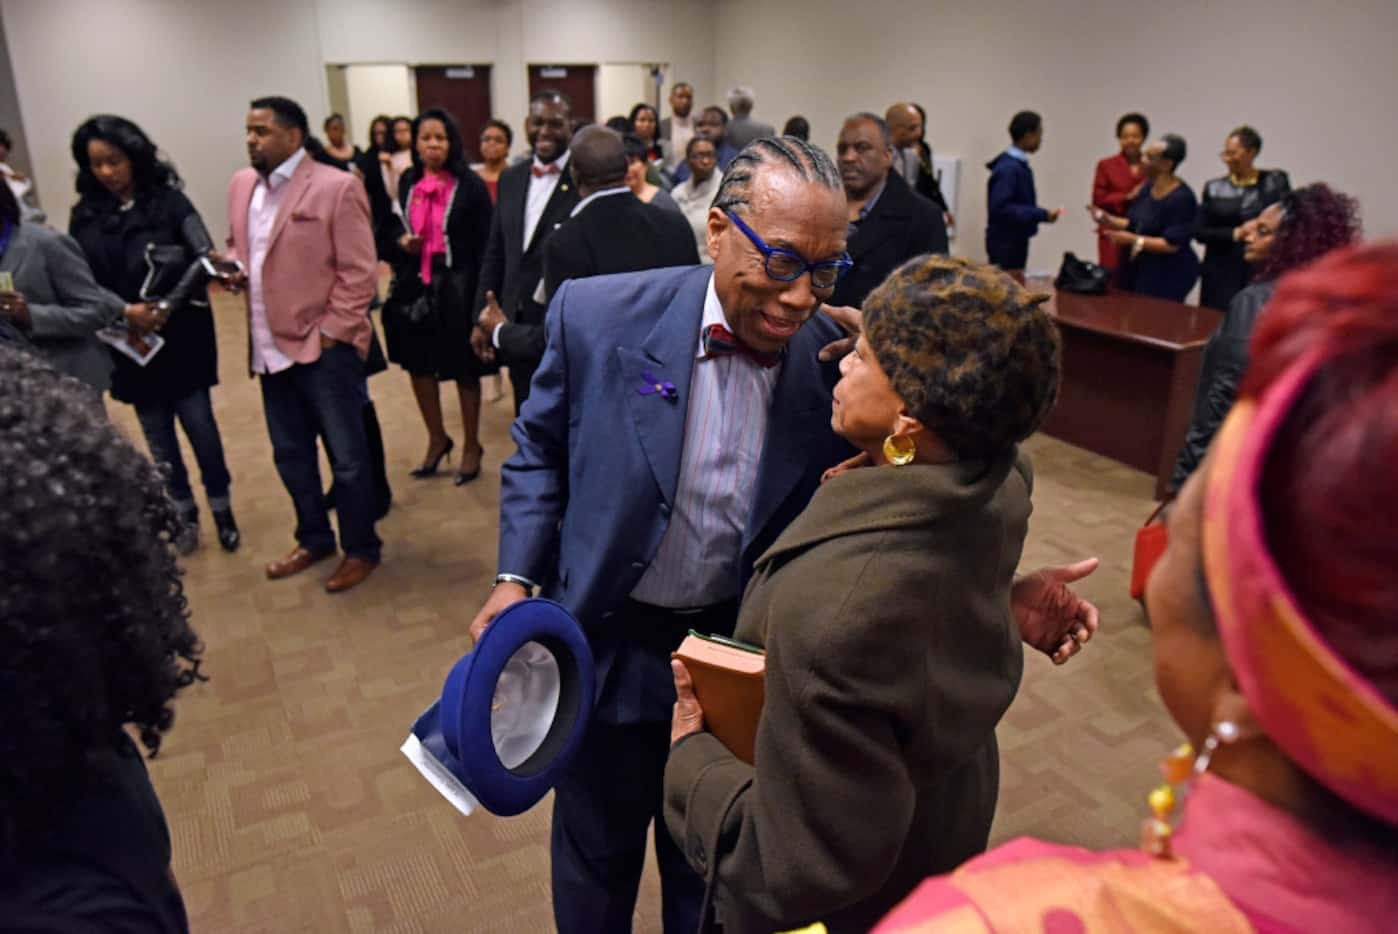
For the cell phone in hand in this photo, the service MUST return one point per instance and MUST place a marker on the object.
(222, 268)
(7, 282)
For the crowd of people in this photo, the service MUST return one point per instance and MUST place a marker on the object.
(823, 457)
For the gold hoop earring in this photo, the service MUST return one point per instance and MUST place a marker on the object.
(899, 450)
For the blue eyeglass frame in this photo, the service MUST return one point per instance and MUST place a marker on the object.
(842, 266)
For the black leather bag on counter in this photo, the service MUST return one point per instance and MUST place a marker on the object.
(1076, 275)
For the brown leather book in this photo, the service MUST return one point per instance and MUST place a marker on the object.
(728, 681)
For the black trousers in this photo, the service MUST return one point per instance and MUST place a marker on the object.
(613, 791)
(1009, 255)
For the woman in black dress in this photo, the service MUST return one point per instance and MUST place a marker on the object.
(1230, 202)
(141, 235)
(1154, 237)
(435, 243)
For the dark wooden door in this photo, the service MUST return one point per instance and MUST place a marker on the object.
(578, 82)
(461, 90)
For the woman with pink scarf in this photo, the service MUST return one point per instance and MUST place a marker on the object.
(1275, 621)
(434, 239)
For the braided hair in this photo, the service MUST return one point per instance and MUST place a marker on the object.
(810, 162)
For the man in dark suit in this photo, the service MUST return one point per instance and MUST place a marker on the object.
(611, 230)
(912, 157)
(534, 198)
(889, 223)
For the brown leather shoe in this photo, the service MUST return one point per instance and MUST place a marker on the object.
(295, 561)
(351, 573)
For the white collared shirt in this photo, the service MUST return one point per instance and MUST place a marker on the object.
(262, 217)
(699, 562)
(541, 189)
(681, 132)
(605, 192)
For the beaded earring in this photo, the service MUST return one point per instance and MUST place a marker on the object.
(1181, 767)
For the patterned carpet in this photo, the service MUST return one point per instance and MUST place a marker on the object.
(292, 810)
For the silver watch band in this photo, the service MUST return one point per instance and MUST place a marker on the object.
(524, 582)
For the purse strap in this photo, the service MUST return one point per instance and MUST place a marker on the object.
(1155, 513)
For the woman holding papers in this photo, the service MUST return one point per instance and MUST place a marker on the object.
(141, 235)
(884, 609)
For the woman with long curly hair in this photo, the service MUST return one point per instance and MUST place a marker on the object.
(141, 234)
(94, 641)
(1302, 227)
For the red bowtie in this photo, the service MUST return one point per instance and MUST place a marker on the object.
(720, 342)
(550, 169)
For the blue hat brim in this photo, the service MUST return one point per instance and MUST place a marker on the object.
(469, 692)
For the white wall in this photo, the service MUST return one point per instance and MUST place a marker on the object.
(185, 72)
(10, 119)
(1315, 79)
(374, 90)
(186, 69)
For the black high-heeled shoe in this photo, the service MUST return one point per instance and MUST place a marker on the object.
(463, 478)
(427, 470)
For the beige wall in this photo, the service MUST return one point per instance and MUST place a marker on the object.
(1316, 80)
(374, 90)
(185, 69)
(9, 109)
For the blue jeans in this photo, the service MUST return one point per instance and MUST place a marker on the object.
(325, 399)
(196, 415)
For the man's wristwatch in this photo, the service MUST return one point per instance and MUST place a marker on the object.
(524, 582)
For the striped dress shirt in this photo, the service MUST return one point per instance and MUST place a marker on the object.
(730, 398)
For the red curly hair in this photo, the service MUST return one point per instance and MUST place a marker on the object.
(1327, 489)
(1315, 220)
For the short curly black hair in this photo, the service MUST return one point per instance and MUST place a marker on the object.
(971, 352)
(94, 625)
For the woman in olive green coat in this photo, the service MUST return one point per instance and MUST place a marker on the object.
(885, 613)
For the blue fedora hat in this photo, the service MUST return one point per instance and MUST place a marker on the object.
(512, 714)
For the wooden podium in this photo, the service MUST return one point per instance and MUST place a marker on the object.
(1130, 369)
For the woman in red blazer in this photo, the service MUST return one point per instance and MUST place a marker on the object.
(1119, 179)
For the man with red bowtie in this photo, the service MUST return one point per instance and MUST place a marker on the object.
(535, 197)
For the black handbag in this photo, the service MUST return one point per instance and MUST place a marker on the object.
(412, 303)
(1076, 275)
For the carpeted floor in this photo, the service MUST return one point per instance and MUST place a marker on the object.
(291, 808)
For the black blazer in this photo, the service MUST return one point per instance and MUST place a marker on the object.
(927, 182)
(468, 224)
(510, 270)
(903, 224)
(115, 243)
(618, 233)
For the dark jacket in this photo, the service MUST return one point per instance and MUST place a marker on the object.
(1225, 206)
(618, 233)
(903, 224)
(66, 305)
(1220, 372)
(1012, 206)
(927, 179)
(380, 202)
(468, 226)
(725, 154)
(513, 272)
(117, 245)
(105, 861)
(892, 653)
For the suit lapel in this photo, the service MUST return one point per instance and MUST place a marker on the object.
(556, 211)
(296, 189)
(668, 354)
(800, 413)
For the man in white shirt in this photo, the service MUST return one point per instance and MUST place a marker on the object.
(534, 198)
(677, 129)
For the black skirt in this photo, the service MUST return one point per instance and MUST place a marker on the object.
(439, 342)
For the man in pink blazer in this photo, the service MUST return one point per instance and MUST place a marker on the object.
(303, 232)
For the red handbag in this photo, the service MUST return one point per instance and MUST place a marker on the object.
(1151, 539)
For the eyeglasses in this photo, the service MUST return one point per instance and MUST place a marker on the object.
(786, 266)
